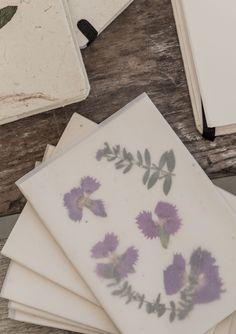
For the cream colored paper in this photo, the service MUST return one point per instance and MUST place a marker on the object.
(99, 13)
(139, 117)
(49, 261)
(41, 64)
(25, 287)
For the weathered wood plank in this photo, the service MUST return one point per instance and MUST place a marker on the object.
(138, 52)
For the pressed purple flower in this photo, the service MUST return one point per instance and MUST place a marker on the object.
(97, 207)
(71, 202)
(104, 248)
(175, 275)
(126, 263)
(168, 215)
(147, 225)
(99, 155)
(89, 185)
(166, 223)
(206, 276)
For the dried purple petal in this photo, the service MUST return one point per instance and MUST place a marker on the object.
(99, 155)
(97, 207)
(168, 213)
(147, 225)
(104, 248)
(126, 263)
(206, 273)
(89, 185)
(174, 275)
(71, 202)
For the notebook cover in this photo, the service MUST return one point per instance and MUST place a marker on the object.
(118, 266)
(41, 64)
(214, 56)
(91, 17)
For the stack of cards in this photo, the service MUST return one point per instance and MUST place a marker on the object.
(40, 56)
(123, 232)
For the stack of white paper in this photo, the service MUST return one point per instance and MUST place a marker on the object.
(131, 230)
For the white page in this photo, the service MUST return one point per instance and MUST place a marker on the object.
(99, 13)
(60, 175)
(24, 286)
(30, 318)
(41, 64)
(211, 25)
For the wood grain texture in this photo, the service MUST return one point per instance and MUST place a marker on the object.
(8, 326)
(136, 53)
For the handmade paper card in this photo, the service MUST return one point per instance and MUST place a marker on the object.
(18, 248)
(134, 175)
(25, 287)
(90, 18)
(41, 65)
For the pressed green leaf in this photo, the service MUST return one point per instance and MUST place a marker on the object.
(111, 158)
(161, 310)
(116, 149)
(120, 162)
(150, 308)
(171, 161)
(146, 176)
(140, 158)
(164, 238)
(116, 292)
(163, 160)
(107, 148)
(127, 169)
(172, 316)
(6, 14)
(153, 179)
(167, 185)
(125, 154)
(119, 166)
(147, 157)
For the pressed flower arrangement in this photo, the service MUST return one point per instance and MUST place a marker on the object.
(79, 199)
(198, 284)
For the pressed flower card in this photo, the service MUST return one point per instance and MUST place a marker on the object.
(41, 65)
(141, 223)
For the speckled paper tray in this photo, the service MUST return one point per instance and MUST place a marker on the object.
(134, 174)
(41, 65)
(98, 13)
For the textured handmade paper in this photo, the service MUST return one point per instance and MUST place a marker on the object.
(150, 244)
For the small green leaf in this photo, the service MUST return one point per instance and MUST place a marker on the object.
(167, 184)
(171, 161)
(107, 148)
(6, 14)
(164, 237)
(125, 154)
(116, 292)
(119, 166)
(147, 156)
(120, 162)
(127, 169)
(161, 310)
(140, 159)
(172, 316)
(111, 158)
(163, 160)
(146, 176)
(150, 308)
(116, 149)
(153, 179)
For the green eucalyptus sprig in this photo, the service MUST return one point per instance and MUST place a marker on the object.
(157, 307)
(153, 172)
(6, 14)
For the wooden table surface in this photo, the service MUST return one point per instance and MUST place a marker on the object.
(138, 52)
